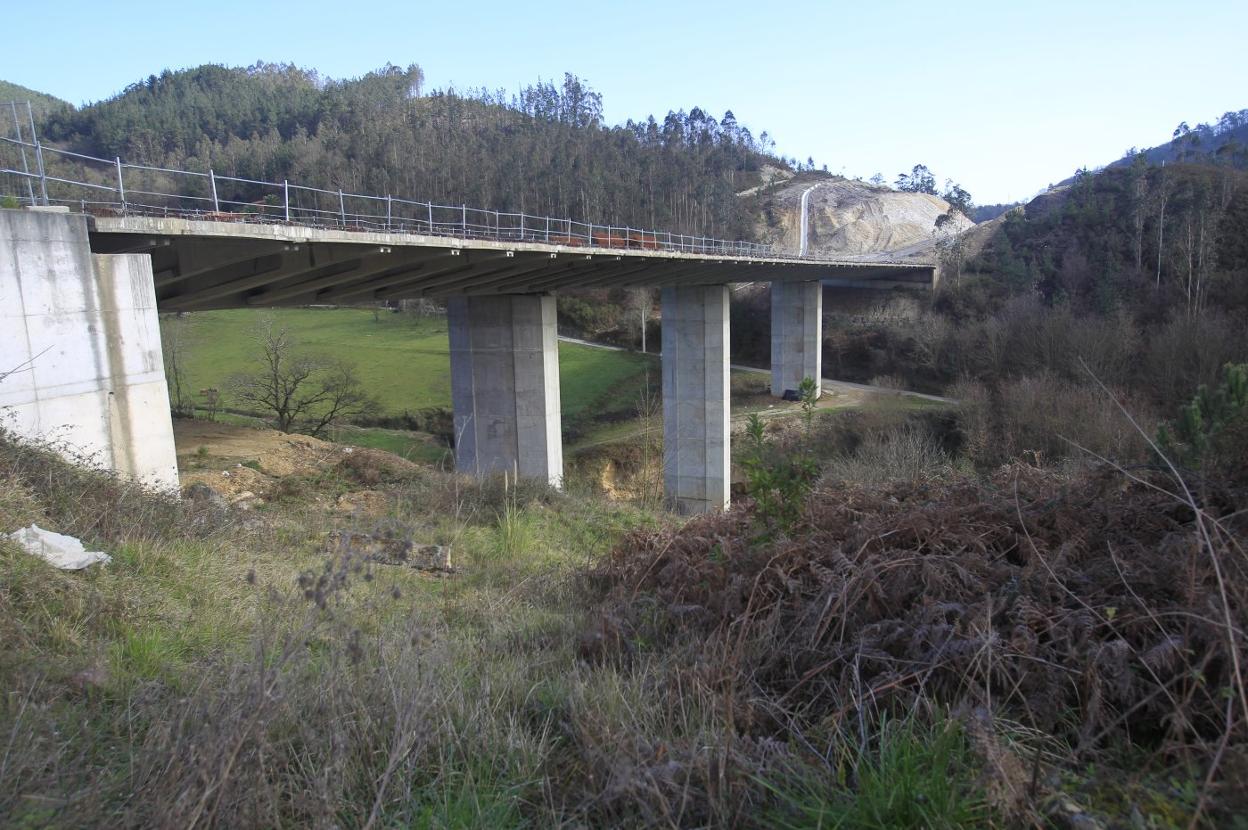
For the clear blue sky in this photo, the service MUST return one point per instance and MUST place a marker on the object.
(1002, 96)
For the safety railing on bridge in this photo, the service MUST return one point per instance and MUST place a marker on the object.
(35, 173)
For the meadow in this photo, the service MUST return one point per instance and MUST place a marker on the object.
(403, 360)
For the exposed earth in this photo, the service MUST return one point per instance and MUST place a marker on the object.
(245, 465)
(853, 219)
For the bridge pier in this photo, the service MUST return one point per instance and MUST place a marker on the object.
(80, 341)
(505, 385)
(696, 467)
(796, 335)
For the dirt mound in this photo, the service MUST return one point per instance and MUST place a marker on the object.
(245, 464)
(1092, 610)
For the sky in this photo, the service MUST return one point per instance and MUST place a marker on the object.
(1002, 97)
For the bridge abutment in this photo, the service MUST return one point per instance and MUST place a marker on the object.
(796, 335)
(505, 386)
(80, 341)
(696, 466)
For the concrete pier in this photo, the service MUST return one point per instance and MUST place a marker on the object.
(696, 467)
(505, 385)
(796, 334)
(80, 341)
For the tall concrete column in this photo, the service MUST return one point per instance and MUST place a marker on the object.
(696, 467)
(505, 386)
(796, 335)
(80, 339)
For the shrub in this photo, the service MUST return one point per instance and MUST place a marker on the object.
(1211, 432)
(906, 452)
(1044, 419)
(778, 481)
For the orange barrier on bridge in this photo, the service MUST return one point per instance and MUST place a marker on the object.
(637, 240)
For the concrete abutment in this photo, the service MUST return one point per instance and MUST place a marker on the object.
(80, 339)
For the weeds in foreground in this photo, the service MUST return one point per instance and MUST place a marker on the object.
(924, 653)
(918, 776)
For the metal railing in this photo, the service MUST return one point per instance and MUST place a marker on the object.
(112, 187)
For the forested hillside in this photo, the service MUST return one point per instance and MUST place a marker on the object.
(1138, 237)
(1225, 141)
(42, 103)
(545, 150)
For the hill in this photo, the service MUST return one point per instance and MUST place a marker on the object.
(850, 218)
(43, 104)
(545, 150)
(1128, 235)
(1224, 143)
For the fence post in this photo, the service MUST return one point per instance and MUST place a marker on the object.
(342, 208)
(30, 188)
(429, 205)
(43, 173)
(286, 196)
(121, 185)
(212, 177)
(464, 221)
(521, 226)
(389, 202)
(547, 230)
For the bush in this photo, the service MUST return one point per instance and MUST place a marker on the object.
(1211, 433)
(907, 452)
(778, 481)
(583, 318)
(1087, 607)
(1044, 419)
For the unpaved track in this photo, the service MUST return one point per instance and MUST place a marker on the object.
(804, 232)
(828, 383)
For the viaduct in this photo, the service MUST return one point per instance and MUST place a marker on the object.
(80, 337)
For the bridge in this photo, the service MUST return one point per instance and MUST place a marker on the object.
(82, 281)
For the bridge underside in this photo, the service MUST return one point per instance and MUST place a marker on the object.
(80, 302)
(205, 265)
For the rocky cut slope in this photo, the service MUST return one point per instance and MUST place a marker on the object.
(852, 219)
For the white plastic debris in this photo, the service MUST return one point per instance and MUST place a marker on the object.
(59, 550)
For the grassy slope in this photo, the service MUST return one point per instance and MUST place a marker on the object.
(465, 695)
(402, 360)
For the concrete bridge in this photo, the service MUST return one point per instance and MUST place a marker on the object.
(79, 332)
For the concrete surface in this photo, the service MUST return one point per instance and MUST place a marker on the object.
(201, 264)
(796, 334)
(80, 339)
(697, 473)
(505, 386)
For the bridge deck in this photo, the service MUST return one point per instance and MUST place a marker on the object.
(208, 264)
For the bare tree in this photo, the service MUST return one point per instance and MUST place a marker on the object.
(304, 393)
(641, 303)
(950, 244)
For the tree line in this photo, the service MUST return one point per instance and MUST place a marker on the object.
(544, 150)
(1140, 237)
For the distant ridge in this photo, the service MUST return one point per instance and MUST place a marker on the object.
(1224, 142)
(41, 102)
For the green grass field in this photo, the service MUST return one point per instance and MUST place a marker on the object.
(403, 360)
